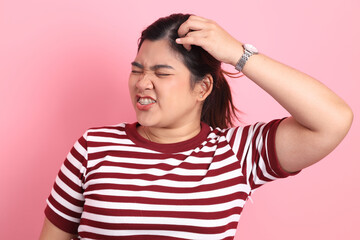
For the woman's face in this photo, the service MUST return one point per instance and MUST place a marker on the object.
(159, 86)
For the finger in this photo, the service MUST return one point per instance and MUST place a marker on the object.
(187, 47)
(191, 25)
(192, 38)
(187, 41)
(198, 18)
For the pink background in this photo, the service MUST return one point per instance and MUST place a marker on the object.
(64, 67)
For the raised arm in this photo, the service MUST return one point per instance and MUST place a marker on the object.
(319, 118)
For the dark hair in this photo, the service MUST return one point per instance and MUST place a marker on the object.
(218, 109)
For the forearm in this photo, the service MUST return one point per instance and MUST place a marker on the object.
(320, 119)
(311, 103)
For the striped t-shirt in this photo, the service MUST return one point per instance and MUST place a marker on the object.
(115, 184)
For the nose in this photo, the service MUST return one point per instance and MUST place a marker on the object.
(145, 81)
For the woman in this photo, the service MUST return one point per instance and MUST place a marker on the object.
(183, 171)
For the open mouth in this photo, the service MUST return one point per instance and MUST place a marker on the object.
(145, 100)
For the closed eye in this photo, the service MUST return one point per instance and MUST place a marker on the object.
(163, 74)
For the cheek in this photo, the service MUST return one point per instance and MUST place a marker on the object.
(132, 90)
(131, 84)
(178, 94)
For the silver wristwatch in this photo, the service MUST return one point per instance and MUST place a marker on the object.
(249, 50)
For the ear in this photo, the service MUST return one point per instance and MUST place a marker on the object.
(205, 87)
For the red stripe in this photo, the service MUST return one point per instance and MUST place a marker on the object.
(70, 183)
(60, 222)
(138, 237)
(170, 214)
(173, 177)
(132, 142)
(203, 201)
(68, 197)
(162, 226)
(164, 189)
(63, 209)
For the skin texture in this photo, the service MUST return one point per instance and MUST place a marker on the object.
(51, 232)
(176, 114)
(319, 118)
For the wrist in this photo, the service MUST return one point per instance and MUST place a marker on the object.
(248, 51)
(237, 53)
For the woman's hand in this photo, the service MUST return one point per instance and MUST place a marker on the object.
(211, 37)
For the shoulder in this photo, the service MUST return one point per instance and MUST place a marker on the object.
(113, 128)
(248, 132)
(118, 130)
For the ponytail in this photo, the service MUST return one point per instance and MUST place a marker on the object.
(218, 109)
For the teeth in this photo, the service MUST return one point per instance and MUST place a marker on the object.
(146, 101)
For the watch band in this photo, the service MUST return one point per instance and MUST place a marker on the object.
(249, 50)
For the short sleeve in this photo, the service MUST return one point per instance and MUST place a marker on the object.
(255, 148)
(66, 200)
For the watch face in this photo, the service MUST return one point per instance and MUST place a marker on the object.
(250, 48)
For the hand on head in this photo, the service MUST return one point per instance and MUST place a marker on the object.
(211, 37)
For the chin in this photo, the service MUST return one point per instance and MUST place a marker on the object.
(145, 122)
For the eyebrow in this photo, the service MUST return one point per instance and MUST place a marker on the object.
(155, 67)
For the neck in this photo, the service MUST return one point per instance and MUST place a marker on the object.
(170, 135)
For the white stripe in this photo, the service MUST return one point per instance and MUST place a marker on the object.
(259, 139)
(65, 203)
(258, 147)
(230, 133)
(80, 149)
(70, 175)
(161, 220)
(75, 162)
(109, 130)
(69, 190)
(169, 161)
(207, 149)
(167, 233)
(173, 208)
(223, 163)
(247, 153)
(204, 148)
(152, 171)
(256, 179)
(72, 219)
(222, 150)
(165, 182)
(161, 195)
(237, 140)
(267, 155)
(109, 140)
(142, 161)
(133, 149)
(250, 165)
(261, 162)
(262, 166)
